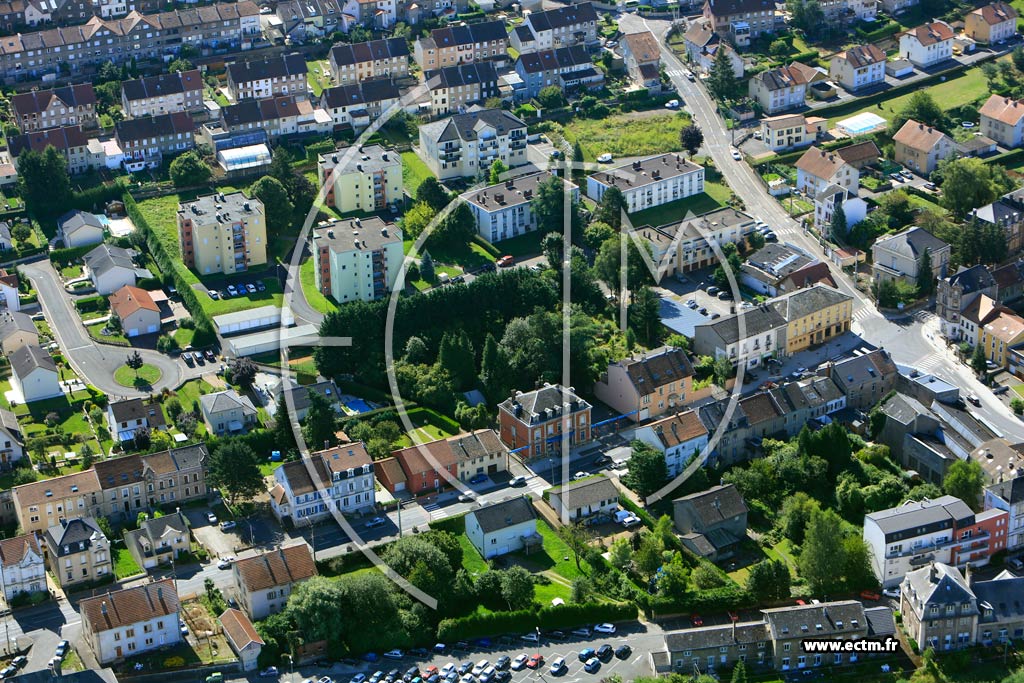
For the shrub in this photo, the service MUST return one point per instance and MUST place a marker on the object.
(563, 616)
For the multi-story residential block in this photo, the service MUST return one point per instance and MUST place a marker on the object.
(535, 423)
(222, 233)
(1002, 120)
(815, 315)
(939, 607)
(460, 43)
(454, 88)
(643, 59)
(764, 327)
(42, 504)
(994, 23)
(702, 44)
(817, 169)
(132, 621)
(140, 483)
(465, 144)
(944, 530)
(655, 383)
(503, 527)
(955, 292)
(354, 63)
(357, 259)
(787, 131)
(712, 522)
(922, 147)
(227, 412)
(429, 467)
(779, 89)
(505, 210)
(650, 182)
(145, 141)
(789, 627)
(162, 94)
(741, 20)
(70, 141)
(78, 551)
(366, 179)
(22, 566)
(308, 19)
(72, 105)
(268, 77)
(1001, 331)
(356, 105)
(928, 44)
(344, 484)
(595, 499)
(276, 117)
(709, 648)
(858, 68)
(679, 437)
(564, 67)
(900, 256)
(264, 582)
(560, 27)
(682, 247)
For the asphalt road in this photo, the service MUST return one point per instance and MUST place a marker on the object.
(94, 362)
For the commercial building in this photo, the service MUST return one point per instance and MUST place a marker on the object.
(222, 233)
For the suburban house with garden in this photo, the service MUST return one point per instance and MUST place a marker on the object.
(921, 148)
(928, 44)
(227, 412)
(779, 89)
(828, 202)
(1002, 120)
(594, 499)
(12, 439)
(110, 268)
(242, 637)
(742, 20)
(990, 24)
(80, 229)
(159, 540)
(898, 257)
(34, 374)
(126, 416)
(817, 169)
(712, 522)
(136, 311)
(131, 621)
(264, 582)
(504, 527)
(786, 131)
(680, 437)
(17, 330)
(858, 68)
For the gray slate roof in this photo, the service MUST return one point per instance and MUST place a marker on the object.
(1010, 490)
(547, 397)
(909, 518)
(972, 279)
(804, 302)
(725, 635)
(501, 515)
(911, 243)
(280, 66)
(561, 17)
(580, 494)
(816, 621)
(466, 126)
(30, 357)
(880, 621)
(106, 257)
(16, 321)
(713, 506)
(76, 534)
(757, 321)
(301, 394)
(226, 400)
(1005, 597)
(938, 584)
(72, 221)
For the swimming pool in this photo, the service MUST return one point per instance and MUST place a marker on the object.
(358, 405)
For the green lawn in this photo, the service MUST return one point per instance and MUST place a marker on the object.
(318, 75)
(188, 394)
(627, 134)
(414, 172)
(556, 556)
(714, 197)
(145, 376)
(523, 246)
(796, 207)
(184, 336)
(472, 562)
(124, 563)
(922, 203)
(315, 298)
(96, 332)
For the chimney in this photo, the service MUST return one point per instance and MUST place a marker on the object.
(967, 574)
(933, 573)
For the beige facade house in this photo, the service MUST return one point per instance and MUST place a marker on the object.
(787, 131)
(68, 106)
(267, 77)
(386, 58)
(159, 540)
(135, 308)
(858, 68)
(138, 483)
(222, 233)
(265, 581)
(227, 412)
(17, 330)
(651, 385)
(42, 504)
(78, 552)
(162, 94)
(994, 23)
(22, 566)
(921, 147)
(818, 168)
(1002, 120)
(456, 44)
(900, 255)
(132, 621)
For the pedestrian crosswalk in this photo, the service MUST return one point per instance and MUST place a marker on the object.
(863, 313)
(676, 73)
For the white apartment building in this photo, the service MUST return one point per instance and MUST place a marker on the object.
(504, 210)
(859, 67)
(357, 260)
(682, 247)
(22, 565)
(465, 145)
(132, 621)
(344, 483)
(650, 182)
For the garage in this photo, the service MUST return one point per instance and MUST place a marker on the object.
(135, 308)
(271, 340)
(252, 319)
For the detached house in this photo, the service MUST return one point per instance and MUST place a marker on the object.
(536, 422)
(357, 62)
(817, 169)
(22, 566)
(132, 621)
(643, 59)
(504, 527)
(680, 437)
(268, 77)
(264, 582)
(125, 417)
(68, 106)
(16, 330)
(242, 637)
(135, 309)
(786, 131)
(80, 229)
(656, 383)
(159, 541)
(702, 44)
(858, 68)
(712, 522)
(342, 481)
(928, 45)
(594, 498)
(922, 147)
(227, 412)
(110, 268)
(780, 89)
(34, 374)
(12, 439)
(1002, 120)
(899, 256)
(995, 23)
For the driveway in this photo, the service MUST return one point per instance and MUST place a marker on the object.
(95, 363)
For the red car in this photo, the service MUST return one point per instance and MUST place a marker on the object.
(535, 662)
(504, 261)
(870, 595)
(697, 621)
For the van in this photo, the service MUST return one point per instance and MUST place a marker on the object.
(442, 278)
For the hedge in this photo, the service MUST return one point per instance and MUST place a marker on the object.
(714, 600)
(879, 33)
(523, 621)
(628, 504)
(168, 266)
(65, 257)
(91, 304)
(1006, 158)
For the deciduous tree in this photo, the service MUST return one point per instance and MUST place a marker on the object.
(234, 468)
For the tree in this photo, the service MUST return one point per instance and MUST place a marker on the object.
(582, 590)
(317, 607)
(44, 183)
(496, 170)
(550, 97)
(135, 362)
(189, 169)
(597, 233)
(707, 576)
(965, 480)
(620, 554)
(234, 468)
(797, 511)
(691, 137)
(1018, 58)
(722, 371)
(648, 557)
(495, 373)
(432, 193)
(644, 316)
(577, 537)
(21, 233)
(1017, 405)
(277, 206)
(179, 65)
(733, 261)
(456, 229)
(548, 205)
(319, 426)
(921, 107)
(416, 219)
(739, 673)
(242, 371)
(610, 208)
(969, 183)
(517, 588)
(647, 470)
(577, 152)
(838, 224)
(925, 274)
(821, 558)
(769, 581)
(807, 16)
(978, 361)
(722, 83)
(427, 268)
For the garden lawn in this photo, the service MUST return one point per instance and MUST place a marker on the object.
(414, 172)
(144, 376)
(796, 207)
(314, 297)
(318, 75)
(626, 135)
(124, 563)
(96, 332)
(471, 560)
(184, 336)
(556, 555)
(522, 246)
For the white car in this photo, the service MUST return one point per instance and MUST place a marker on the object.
(225, 562)
(735, 154)
(604, 628)
(672, 104)
(447, 669)
(211, 518)
(893, 593)
(519, 662)
(557, 666)
(479, 667)
(269, 672)
(394, 654)
(517, 481)
(605, 158)
(580, 475)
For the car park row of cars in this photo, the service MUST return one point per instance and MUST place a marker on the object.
(193, 358)
(238, 290)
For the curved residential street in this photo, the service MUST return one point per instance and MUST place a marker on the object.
(911, 339)
(94, 362)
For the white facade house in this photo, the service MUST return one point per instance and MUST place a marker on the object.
(505, 210)
(34, 375)
(858, 68)
(465, 145)
(264, 582)
(680, 437)
(650, 182)
(1002, 120)
(593, 497)
(928, 44)
(110, 268)
(131, 622)
(828, 200)
(344, 483)
(22, 564)
(357, 259)
(503, 527)
(80, 229)
(817, 169)
(722, 339)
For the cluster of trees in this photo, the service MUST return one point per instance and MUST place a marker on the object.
(454, 230)
(286, 194)
(1006, 78)
(44, 183)
(808, 17)
(189, 169)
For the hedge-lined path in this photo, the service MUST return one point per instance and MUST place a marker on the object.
(95, 363)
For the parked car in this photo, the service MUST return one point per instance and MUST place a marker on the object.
(586, 653)
(209, 355)
(907, 174)
(1016, 563)
(211, 518)
(225, 562)
(519, 662)
(535, 661)
(20, 661)
(358, 678)
(464, 668)
(691, 303)
(605, 628)
(580, 475)
(672, 104)
(479, 667)
(478, 478)
(394, 654)
(228, 525)
(503, 662)
(605, 652)
(199, 358)
(376, 522)
(517, 481)
(187, 357)
(931, 186)
(724, 296)
(251, 288)
(467, 497)
(696, 620)
(896, 176)
(214, 294)
(605, 158)
(556, 635)
(504, 261)
(9, 671)
(583, 632)
(893, 593)
(592, 665)
(557, 666)
(269, 672)
(623, 651)
(260, 287)
(713, 291)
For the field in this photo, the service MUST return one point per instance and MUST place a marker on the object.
(714, 197)
(627, 135)
(414, 172)
(143, 377)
